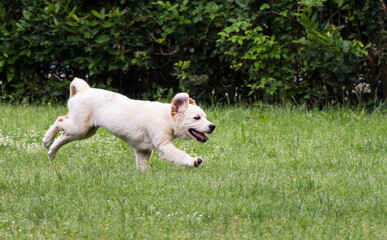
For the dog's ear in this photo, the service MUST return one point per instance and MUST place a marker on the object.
(191, 101)
(179, 103)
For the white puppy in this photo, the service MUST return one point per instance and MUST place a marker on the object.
(142, 124)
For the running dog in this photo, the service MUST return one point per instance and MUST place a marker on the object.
(144, 125)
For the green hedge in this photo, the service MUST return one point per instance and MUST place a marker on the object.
(308, 50)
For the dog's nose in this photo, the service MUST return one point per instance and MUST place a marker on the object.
(212, 127)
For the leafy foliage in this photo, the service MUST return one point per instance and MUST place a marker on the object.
(256, 55)
(310, 50)
(336, 65)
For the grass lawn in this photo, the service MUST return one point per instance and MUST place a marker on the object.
(268, 172)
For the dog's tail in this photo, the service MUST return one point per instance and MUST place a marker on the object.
(77, 86)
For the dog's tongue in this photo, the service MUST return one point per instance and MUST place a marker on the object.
(201, 135)
(204, 137)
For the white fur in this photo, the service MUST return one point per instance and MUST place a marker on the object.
(142, 124)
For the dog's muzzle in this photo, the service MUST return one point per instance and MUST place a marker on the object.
(199, 136)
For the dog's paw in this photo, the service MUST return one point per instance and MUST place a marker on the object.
(198, 161)
(51, 154)
(46, 142)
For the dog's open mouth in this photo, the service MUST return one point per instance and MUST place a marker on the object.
(199, 136)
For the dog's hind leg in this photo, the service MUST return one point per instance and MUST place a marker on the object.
(73, 129)
(58, 143)
(53, 131)
(143, 159)
(68, 137)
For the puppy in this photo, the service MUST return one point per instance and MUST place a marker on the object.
(142, 124)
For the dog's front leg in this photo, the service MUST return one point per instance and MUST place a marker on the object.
(170, 153)
(143, 159)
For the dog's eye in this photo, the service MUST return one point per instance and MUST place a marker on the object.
(197, 118)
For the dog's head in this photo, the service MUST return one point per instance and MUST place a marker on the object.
(190, 121)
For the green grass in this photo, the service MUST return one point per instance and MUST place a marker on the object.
(269, 173)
